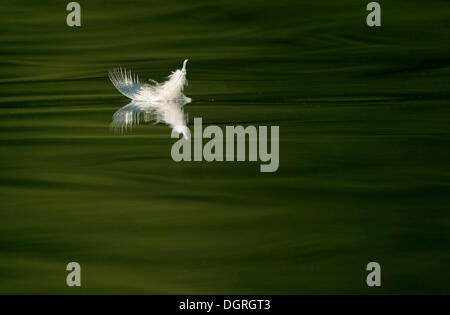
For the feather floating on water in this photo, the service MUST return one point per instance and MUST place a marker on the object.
(159, 102)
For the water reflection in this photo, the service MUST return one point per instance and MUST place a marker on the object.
(167, 112)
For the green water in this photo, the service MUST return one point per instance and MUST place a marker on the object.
(364, 148)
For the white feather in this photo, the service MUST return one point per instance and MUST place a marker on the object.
(159, 102)
(171, 90)
(127, 83)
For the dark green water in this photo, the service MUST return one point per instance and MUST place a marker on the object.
(364, 148)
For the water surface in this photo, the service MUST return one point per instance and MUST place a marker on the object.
(364, 148)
